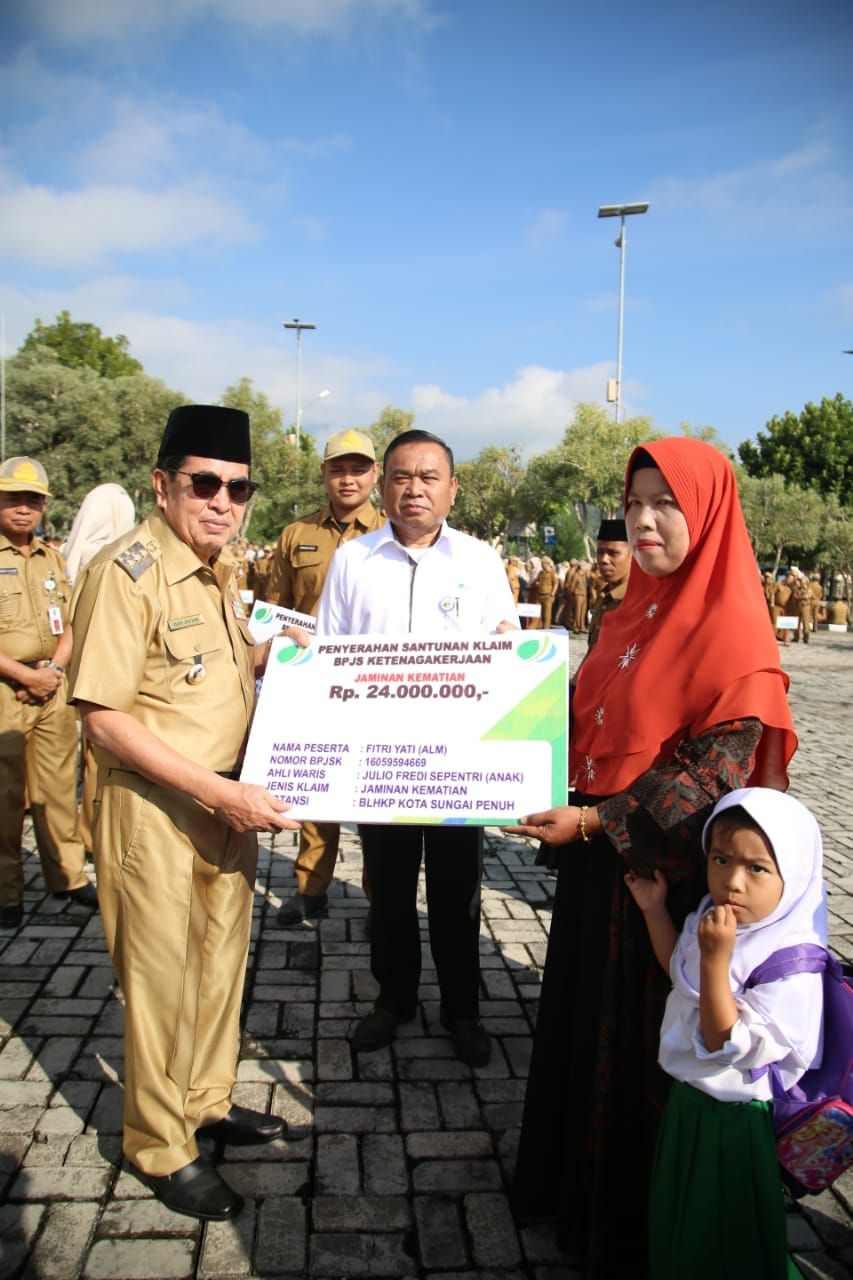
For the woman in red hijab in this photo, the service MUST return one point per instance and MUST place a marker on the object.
(681, 701)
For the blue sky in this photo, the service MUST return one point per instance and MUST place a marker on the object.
(421, 179)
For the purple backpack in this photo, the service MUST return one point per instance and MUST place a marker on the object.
(813, 1119)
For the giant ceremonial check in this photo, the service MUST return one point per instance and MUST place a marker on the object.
(453, 729)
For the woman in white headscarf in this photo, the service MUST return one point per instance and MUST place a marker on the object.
(105, 514)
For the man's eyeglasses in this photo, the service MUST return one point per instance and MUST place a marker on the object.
(206, 485)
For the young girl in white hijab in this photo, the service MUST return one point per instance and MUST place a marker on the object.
(716, 1203)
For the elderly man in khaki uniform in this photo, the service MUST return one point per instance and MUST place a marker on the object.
(163, 670)
(300, 564)
(38, 730)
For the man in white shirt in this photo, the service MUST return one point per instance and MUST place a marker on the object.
(418, 575)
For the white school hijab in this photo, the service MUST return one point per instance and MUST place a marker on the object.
(800, 914)
(105, 514)
(779, 1022)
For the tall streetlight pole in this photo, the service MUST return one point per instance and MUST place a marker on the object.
(621, 211)
(298, 325)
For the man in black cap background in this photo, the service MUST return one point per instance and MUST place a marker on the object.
(613, 560)
(163, 670)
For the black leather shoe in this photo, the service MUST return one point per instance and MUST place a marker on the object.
(471, 1043)
(302, 906)
(11, 917)
(377, 1029)
(85, 896)
(197, 1191)
(243, 1128)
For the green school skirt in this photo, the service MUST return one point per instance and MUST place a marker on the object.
(717, 1209)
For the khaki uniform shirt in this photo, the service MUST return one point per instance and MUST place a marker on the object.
(609, 598)
(305, 551)
(148, 613)
(30, 587)
(546, 583)
(781, 595)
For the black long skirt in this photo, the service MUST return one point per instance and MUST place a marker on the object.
(595, 1094)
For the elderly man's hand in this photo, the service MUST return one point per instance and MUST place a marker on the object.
(250, 808)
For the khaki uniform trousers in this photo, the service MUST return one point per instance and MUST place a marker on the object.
(38, 757)
(546, 604)
(579, 603)
(318, 854)
(175, 886)
(804, 619)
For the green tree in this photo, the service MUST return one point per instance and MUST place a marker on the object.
(289, 477)
(836, 539)
(84, 428)
(488, 485)
(710, 435)
(390, 423)
(586, 471)
(780, 516)
(814, 450)
(569, 541)
(79, 345)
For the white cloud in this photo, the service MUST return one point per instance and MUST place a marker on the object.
(547, 227)
(601, 302)
(161, 141)
(533, 409)
(803, 188)
(201, 358)
(93, 21)
(840, 299)
(67, 229)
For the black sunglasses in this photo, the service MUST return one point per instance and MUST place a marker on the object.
(206, 484)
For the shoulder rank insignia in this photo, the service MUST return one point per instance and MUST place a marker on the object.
(135, 559)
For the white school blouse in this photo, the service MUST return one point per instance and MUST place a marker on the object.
(779, 1022)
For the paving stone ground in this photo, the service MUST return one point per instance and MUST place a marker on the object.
(396, 1163)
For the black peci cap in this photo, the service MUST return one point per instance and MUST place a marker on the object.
(612, 531)
(207, 431)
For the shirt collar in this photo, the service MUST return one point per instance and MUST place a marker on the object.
(36, 545)
(179, 560)
(385, 537)
(365, 510)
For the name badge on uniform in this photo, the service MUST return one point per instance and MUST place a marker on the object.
(191, 620)
(13, 569)
(54, 617)
(307, 546)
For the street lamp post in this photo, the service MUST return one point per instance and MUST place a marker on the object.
(298, 325)
(621, 211)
